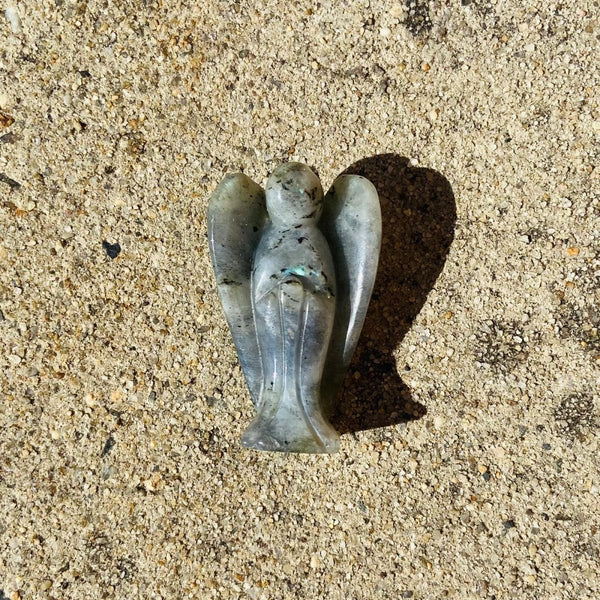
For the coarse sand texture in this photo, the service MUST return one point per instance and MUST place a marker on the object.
(469, 464)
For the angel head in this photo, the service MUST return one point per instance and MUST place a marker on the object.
(294, 195)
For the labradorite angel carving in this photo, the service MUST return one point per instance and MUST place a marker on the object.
(295, 270)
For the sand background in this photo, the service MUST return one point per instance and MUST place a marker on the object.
(469, 466)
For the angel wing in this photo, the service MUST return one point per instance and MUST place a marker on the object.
(236, 216)
(351, 223)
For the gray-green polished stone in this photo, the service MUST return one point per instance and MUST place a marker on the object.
(295, 271)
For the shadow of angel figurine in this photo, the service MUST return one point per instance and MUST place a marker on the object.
(295, 271)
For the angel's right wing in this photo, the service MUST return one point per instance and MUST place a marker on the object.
(236, 216)
(351, 223)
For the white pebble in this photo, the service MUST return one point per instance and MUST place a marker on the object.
(438, 422)
(13, 18)
(14, 359)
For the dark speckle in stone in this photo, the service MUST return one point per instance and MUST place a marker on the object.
(112, 250)
(509, 524)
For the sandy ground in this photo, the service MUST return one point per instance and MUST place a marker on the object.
(469, 464)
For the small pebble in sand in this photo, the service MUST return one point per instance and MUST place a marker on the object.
(13, 18)
(14, 359)
(6, 121)
(112, 250)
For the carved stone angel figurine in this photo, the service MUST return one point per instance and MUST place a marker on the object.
(295, 271)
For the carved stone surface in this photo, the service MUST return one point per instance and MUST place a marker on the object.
(295, 271)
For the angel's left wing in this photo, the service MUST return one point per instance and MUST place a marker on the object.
(236, 216)
(351, 223)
